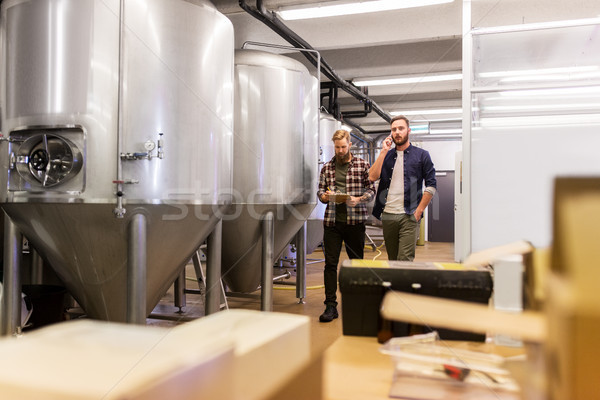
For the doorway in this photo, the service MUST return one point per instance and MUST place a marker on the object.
(440, 225)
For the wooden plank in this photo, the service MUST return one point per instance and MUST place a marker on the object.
(464, 316)
(487, 256)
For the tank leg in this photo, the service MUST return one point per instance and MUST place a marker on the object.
(179, 291)
(11, 293)
(37, 267)
(301, 264)
(213, 270)
(268, 237)
(136, 271)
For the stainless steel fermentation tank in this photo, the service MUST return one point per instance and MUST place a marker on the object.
(275, 161)
(116, 109)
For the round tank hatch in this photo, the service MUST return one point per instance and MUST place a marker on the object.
(50, 160)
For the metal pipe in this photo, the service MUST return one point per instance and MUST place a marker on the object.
(301, 264)
(11, 294)
(179, 291)
(213, 270)
(333, 108)
(367, 108)
(136, 270)
(268, 239)
(199, 274)
(286, 275)
(119, 210)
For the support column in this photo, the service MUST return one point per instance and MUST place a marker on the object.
(136, 270)
(301, 264)
(11, 293)
(268, 238)
(213, 270)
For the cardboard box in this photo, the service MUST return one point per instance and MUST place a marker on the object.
(572, 295)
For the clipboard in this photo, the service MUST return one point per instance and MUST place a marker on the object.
(339, 197)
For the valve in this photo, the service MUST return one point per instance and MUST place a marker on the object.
(149, 146)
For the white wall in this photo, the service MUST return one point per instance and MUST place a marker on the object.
(526, 132)
(442, 153)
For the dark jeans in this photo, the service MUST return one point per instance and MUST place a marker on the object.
(333, 236)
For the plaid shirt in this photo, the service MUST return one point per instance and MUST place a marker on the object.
(357, 184)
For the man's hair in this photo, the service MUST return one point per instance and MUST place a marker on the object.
(402, 117)
(341, 134)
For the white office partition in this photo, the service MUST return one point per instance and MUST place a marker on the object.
(535, 115)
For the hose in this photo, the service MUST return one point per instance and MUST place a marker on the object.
(294, 288)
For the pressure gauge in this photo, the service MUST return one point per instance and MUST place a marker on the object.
(149, 145)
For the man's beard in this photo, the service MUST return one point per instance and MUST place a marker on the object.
(400, 141)
(343, 159)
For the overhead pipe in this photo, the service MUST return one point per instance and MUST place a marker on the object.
(270, 19)
(367, 108)
(334, 110)
(332, 93)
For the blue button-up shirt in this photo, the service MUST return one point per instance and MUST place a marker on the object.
(418, 167)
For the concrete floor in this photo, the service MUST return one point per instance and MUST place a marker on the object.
(284, 296)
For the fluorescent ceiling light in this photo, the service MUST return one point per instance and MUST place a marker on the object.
(544, 107)
(537, 25)
(553, 77)
(407, 80)
(445, 131)
(416, 121)
(428, 112)
(335, 8)
(419, 128)
(543, 71)
(545, 74)
(585, 91)
(548, 120)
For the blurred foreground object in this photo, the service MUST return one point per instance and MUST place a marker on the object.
(570, 325)
(232, 354)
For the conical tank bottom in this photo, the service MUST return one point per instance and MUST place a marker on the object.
(87, 247)
(241, 257)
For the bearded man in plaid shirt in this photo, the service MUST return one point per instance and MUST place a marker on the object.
(345, 216)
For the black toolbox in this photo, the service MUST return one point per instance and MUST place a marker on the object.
(362, 289)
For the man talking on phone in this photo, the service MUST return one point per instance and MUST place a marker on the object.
(401, 198)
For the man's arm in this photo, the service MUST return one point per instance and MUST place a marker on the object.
(367, 194)
(375, 170)
(425, 200)
(430, 186)
(323, 192)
